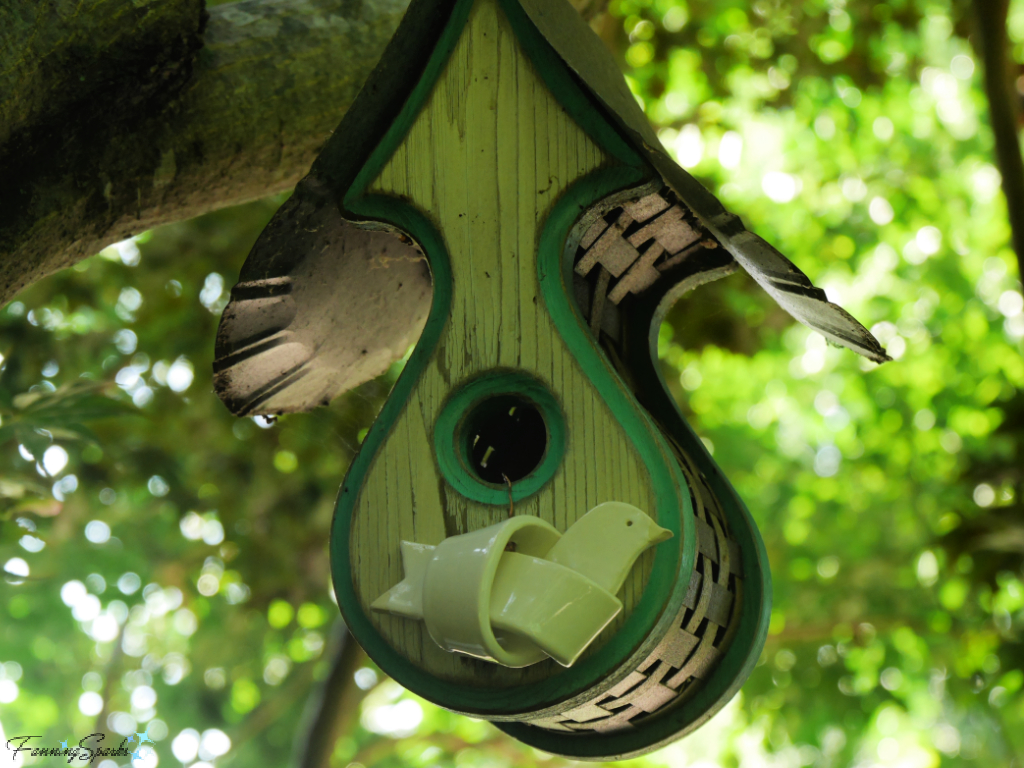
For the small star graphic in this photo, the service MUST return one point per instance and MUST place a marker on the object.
(131, 739)
(144, 736)
(64, 744)
(136, 755)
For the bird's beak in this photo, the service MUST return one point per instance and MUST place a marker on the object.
(660, 534)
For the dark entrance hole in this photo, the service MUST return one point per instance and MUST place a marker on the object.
(505, 437)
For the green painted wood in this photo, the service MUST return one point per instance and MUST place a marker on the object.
(635, 636)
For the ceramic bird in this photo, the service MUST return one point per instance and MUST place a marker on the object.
(518, 592)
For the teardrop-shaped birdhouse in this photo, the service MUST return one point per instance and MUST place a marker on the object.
(530, 533)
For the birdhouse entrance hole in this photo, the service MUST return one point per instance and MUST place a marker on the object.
(505, 436)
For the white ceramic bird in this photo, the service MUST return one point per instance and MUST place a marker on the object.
(518, 592)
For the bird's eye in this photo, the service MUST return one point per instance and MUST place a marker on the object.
(629, 522)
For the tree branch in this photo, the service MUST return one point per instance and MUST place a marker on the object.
(334, 704)
(1003, 101)
(110, 680)
(113, 121)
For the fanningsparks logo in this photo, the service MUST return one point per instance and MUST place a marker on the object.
(86, 751)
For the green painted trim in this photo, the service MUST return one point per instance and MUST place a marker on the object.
(400, 127)
(448, 436)
(380, 101)
(664, 588)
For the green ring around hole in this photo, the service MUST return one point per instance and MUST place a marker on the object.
(450, 423)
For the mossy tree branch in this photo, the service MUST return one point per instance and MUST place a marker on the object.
(139, 113)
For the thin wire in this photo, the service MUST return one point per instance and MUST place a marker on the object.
(509, 483)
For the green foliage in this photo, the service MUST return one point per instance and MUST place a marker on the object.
(854, 137)
(165, 527)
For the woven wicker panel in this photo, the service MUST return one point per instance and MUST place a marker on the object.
(631, 246)
(687, 654)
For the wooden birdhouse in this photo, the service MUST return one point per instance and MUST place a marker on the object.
(530, 533)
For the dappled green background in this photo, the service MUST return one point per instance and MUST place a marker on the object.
(166, 564)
